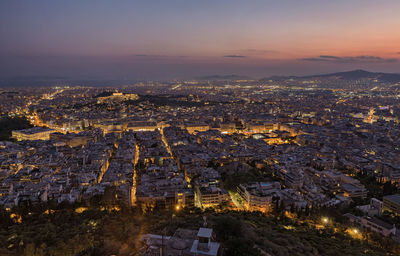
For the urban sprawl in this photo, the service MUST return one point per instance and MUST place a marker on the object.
(246, 145)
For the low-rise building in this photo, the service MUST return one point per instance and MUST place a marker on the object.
(184, 242)
(35, 133)
(373, 208)
(139, 126)
(379, 226)
(258, 196)
(211, 196)
(354, 190)
(392, 203)
(373, 224)
(199, 127)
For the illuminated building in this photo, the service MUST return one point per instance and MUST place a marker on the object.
(71, 139)
(228, 127)
(354, 190)
(35, 133)
(258, 196)
(118, 96)
(211, 196)
(191, 128)
(140, 126)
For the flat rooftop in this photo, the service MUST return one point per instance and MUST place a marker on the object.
(394, 198)
(34, 130)
(204, 232)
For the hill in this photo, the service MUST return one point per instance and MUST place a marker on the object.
(362, 74)
(348, 75)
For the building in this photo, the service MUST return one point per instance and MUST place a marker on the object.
(373, 224)
(256, 128)
(294, 179)
(379, 226)
(354, 190)
(140, 126)
(110, 126)
(184, 242)
(200, 127)
(373, 208)
(392, 204)
(203, 245)
(35, 133)
(166, 200)
(118, 96)
(71, 139)
(227, 127)
(258, 196)
(211, 196)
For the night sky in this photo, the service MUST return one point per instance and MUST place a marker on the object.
(166, 39)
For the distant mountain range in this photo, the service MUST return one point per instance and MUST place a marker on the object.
(349, 75)
(63, 81)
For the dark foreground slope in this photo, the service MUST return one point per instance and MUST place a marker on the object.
(100, 230)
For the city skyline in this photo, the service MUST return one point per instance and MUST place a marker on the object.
(199, 128)
(181, 39)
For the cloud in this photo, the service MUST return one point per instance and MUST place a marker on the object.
(350, 59)
(314, 59)
(234, 56)
(398, 52)
(329, 57)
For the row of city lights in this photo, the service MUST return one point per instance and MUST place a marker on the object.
(325, 220)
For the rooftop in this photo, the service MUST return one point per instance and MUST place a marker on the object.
(204, 232)
(394, 198)
(34, 130)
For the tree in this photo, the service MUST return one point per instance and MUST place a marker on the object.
(29, 249)
(8, 124)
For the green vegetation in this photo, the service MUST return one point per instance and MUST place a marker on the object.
(8, 124)
(104, 94)
(375, 188)
(391, 218)
(231, 181)
(167, 100)
(99, 228)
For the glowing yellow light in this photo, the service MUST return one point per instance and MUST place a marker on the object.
(49, 211)
(355, 231)
(325, 220)
(16, 217)
(177, 207)
(80, 209)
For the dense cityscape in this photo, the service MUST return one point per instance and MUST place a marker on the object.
(316, 152)
(199, 128)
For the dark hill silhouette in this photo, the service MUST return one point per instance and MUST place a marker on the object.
(348, 75)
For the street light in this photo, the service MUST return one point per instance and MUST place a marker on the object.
(325, 220)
